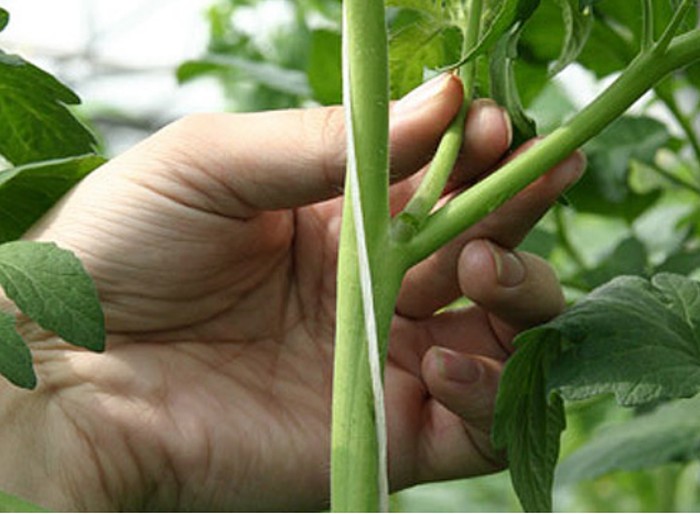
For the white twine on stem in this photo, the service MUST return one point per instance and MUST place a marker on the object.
(365, 278)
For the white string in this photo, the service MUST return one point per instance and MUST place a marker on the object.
(365, 279)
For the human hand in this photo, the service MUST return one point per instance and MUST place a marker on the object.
(213, 245)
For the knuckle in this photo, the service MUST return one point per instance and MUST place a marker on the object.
(324, 129)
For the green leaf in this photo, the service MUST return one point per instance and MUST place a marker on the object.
(288, 81)
(504, 87)
(4, 19)
(604, 188)
(51, 286)
(500, 17)
(433, 8)
(539, 242)
(552, 107)
(671, 433)
(417, 42)
(37, 125)
(28, 191)
(629, 257)
(9, 503)
(636, 338)
(577, 25)
(324, 67)
(15, 358)
(615, 37)
(526, 423)
(543, 35)
(684, 261)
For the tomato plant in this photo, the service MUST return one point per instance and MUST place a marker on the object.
(625, 240)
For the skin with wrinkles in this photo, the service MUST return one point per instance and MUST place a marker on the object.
(213, 245)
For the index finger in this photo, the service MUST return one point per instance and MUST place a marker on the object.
(285, 159)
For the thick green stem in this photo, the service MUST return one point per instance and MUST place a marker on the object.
(408, 222)
(493, 191)
(358, 480)
(354, 457)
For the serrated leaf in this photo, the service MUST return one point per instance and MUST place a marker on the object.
(28, 191)
(422, 36)
(4, 19)
(577, 28)
(15, 358)
(37, 125)
(671, 433)
(635, 338)
(526, 423)
(418, 43)
(50, 285)
(9, 503)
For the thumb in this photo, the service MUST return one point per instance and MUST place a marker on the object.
(285, 159)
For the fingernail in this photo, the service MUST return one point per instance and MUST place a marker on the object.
(455, 367)
(510, 271)
(490, 114)
(423, 94)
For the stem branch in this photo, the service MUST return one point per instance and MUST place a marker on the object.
(408, 222)
(673, 26)
(484, 197)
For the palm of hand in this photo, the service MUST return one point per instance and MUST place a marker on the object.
(215, 391)
(238, 318)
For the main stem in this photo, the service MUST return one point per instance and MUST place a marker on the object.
(484, 197)
(358, 481)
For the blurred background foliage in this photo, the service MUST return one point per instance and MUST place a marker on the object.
(636, 211)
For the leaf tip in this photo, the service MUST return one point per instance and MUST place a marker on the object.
(4, 19)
